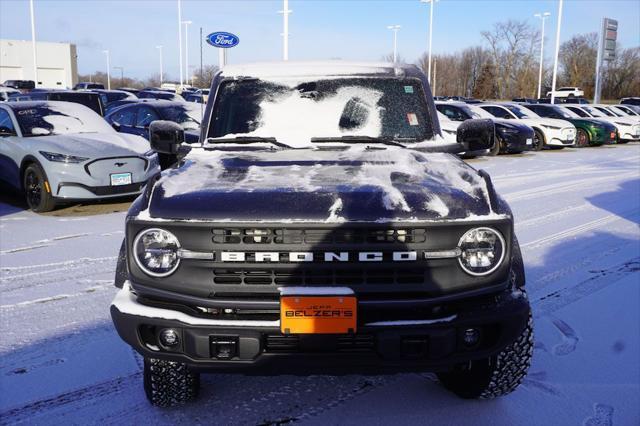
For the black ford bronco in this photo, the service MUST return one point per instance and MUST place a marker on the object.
(322, 225)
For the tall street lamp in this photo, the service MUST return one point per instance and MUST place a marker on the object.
(555, 60)
(160, 50)
(542, 16)
(186, 50)
(106, 52)
(180, 39)
(395, 29)
(430, 34)
(121, 75)
(285, 29)
(33, 43)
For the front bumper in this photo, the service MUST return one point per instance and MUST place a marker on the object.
(434, 344)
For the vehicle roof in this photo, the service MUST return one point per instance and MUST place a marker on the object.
(317, 68)
(34, 104)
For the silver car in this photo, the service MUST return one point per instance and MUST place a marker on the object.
(56, 152)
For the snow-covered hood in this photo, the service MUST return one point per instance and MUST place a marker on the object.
(92, 145)
(319, 185)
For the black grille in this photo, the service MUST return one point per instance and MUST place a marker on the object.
(320, 276)
(294, 343)
(317, 236)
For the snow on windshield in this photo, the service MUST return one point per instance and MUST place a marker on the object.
(59, 118)
(283, 118)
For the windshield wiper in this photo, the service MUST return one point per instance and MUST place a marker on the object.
(356, 139)
(248, 140)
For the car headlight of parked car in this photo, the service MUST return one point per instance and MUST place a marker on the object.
(62, 158)
(507, 130)
(482, 251)
(155, 251)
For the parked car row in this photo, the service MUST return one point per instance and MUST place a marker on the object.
(55, 147)
(553, 126)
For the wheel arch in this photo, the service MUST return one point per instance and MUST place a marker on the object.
(26, 162)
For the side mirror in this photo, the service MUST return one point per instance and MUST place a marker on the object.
(476, 135)
(165, 137)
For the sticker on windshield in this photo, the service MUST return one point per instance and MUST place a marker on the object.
(412, 119)
(408, 89)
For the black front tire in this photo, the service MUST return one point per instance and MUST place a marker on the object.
(37, 190)
(168, 383)
(538, 141)
(496, 376)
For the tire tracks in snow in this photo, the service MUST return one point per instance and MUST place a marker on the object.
(26, 412)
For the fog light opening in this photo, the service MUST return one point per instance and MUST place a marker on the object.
(169, 337)
(471, 336)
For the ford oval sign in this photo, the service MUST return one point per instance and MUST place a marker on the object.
(223, 39)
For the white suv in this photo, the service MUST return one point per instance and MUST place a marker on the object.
(567, 92)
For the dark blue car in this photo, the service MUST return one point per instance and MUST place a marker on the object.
(159, 94)
(135, 118)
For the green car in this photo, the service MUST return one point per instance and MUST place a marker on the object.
(590, 131)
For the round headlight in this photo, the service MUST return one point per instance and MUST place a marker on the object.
(156, 252)
(482, 251)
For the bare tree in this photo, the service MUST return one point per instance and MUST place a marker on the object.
(512, 44)
(577, 62)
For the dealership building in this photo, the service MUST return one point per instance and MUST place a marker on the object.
(57, 63)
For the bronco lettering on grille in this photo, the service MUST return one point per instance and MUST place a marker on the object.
(308, 256)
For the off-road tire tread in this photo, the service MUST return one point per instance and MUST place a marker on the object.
(169, 383)
(511, 365)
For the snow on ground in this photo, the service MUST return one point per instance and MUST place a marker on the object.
(577, 214)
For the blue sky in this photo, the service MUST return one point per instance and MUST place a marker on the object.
(320, 29)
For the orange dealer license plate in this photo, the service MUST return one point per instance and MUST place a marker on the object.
(318, 314)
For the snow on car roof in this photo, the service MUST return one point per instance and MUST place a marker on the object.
(309, 69)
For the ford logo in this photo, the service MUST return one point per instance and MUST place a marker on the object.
(223, 39)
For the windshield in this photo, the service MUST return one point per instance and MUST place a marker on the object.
(623, 111)
(189, 116)
(605, 111)
(295, 112)
(59, 118)
(593, 111)
(564, 113)
(477, 112)
(521, 112)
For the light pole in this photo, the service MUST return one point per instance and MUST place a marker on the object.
(180, 39)
(555, 60)
(430, 34)
(121, 75)
(160, 50)
(285, 29)
(186, 50)
(395, 29)
(106, 52)
(542, 16)
(33, 43)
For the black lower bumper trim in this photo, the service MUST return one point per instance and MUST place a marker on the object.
(374, 349)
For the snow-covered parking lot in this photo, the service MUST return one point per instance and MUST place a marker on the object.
(577, 218)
